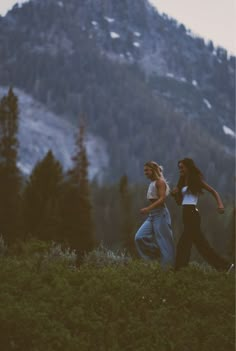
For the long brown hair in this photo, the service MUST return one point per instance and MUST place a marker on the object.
(195, 177)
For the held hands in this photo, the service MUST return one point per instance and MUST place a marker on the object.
(174, 191)
(176, 195)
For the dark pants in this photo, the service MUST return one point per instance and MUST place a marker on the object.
(193, 235)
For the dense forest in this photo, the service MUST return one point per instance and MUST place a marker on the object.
(65, 207)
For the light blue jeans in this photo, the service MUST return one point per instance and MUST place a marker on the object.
(154, 239)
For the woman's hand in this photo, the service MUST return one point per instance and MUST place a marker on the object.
(220, 210)
(174, 191)
(144, 210)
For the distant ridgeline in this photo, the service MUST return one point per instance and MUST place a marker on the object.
(149, 89)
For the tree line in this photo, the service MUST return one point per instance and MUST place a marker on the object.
(64, 206)
(48, 205)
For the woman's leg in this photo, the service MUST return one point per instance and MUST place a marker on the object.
(183, 250)
(144, 240)
(184, 246)
(164, 236)
(204, 248)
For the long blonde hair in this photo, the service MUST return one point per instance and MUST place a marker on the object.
(158, 173)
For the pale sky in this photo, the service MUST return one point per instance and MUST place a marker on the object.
(211, 19)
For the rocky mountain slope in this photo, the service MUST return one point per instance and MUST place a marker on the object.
(41, 130)
(148, 88)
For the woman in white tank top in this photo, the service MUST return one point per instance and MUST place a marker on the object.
(189, 187)
(154, 239)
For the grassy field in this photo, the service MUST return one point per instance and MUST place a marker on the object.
(46, 303)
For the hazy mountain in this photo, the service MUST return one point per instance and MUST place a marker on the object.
(41, 130)
(148, 88)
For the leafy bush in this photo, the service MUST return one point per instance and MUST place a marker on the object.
(133, 306)
(44, 252)
(102, 256)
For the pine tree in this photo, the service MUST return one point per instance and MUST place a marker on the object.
(41, 199)
(230, 228)
(127, 220)
(10, 178)
(77, 213)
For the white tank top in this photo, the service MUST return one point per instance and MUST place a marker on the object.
(152, 191)
(188, 198)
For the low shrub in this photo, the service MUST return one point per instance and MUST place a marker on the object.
(116, 307)
(102, 256)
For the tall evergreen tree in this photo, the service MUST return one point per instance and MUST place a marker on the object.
(230, 228)
(77, 209)
(10, 178)
(41, 199)
(127, 220)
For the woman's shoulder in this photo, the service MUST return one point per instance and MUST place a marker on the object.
(160, 182)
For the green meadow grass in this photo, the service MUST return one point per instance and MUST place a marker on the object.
(131, 306)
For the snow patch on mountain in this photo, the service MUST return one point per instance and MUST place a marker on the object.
(114, 35)
(109, 19)
(207, 103)
(229, 131)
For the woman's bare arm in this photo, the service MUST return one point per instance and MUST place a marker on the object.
(215, 195)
